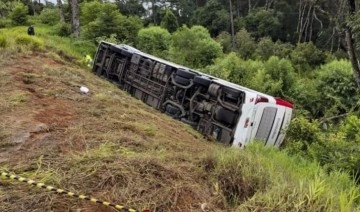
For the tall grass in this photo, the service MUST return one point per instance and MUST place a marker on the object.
(263, 179)
(71, 48)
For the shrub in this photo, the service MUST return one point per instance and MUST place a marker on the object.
(3, 42)
(306, 56)
(63, 29)
(301, 134)
(194, 47)
(338, 90)
(169, 21)
(4, 23)
(29, 42)
(245, 44)
(265, 48)
(19, 14)
(154, 40)
(335, 153)
(224, 38)
(49, 16)
(351, 128)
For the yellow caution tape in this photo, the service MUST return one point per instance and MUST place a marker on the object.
(61, 191)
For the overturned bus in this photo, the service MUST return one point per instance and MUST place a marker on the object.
(218, 109)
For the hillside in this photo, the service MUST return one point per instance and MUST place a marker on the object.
(113, 147)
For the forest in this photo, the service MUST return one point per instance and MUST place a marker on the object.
(305, 52)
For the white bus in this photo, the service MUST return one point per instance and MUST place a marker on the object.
(218, 109)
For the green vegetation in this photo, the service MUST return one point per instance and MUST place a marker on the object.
(122, 150)
(154, 40)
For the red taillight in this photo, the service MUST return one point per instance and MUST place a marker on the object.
(261, 99)
(284, 103)
(246, 123)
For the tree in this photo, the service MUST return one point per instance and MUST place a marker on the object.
(18, 15)
(169, 21)
(214, 16)
(262, 22)
(194, 47)
(154, 40)
(131, 7)
(102, 20)
(75, 22)
(245, 44)
(61, 10)
(350, 45)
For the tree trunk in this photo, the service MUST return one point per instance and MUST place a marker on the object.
(350, 45)
(75, 18)
(232, 28)
(61, 11)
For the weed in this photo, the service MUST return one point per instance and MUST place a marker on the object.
(18, 99)
(3, 42)
(29, 42)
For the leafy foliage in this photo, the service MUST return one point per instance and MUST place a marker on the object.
(245, 44)
(63, 29)
(154, 40)
(214, 16)
(224, 38)
(109, 21)
(169, 21)
(49, 16)
(227, 68)
(262, 22)
(337, 88)
(18, 14)
(265, 48)
(194, 47)
(306, 56)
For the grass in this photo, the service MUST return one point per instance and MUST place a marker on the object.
(118, 149)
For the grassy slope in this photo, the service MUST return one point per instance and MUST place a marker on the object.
(114, 147)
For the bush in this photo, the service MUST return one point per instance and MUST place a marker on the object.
(351, 128)
(265, 48)
(154, 40)
(224, 38)
(4, 23)
(301, 134)
(109, 21)
(194, 47)
(337, 87)
(306, 56)
(28, 42)
(63, 29)
(169, 21)
(335, 153)
(19, 14)
(3, 42)
(226, 67)
(275, 78)
(245, 44)
(49, 16)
